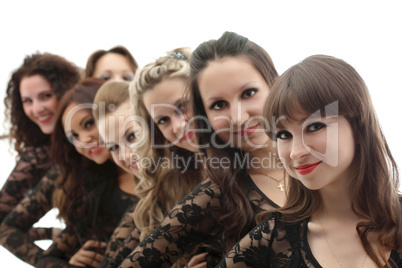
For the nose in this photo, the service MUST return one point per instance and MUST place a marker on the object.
(178, 123)
(238, 114)
(298, 150)
(85, 137)
(37, 107)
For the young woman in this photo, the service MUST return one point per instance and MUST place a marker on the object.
(229, 82)
(161, 84)
(116, 63)
(32, 96)
(343, 208)
(88, 196)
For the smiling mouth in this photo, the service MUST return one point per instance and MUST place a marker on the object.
(95, 150)
(247, 131)
(306, 169)
(45, 119)
(188, 136)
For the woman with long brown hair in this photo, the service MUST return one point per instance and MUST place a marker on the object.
(344, 209)
(229, 81)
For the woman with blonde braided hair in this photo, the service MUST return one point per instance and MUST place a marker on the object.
(168, 161)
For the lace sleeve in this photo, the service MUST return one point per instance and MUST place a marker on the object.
(254, 250)
(14, 231)
(60, 252)
(30, 168)
(193, 220)
(124, 239)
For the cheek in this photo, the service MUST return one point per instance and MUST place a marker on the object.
(283, 153)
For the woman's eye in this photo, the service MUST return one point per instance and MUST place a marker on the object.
(113, 147)
(26, 101)
(182, 106)
(130, 137)
(249, 92)
(162, 121)
(283, 135)
(47, 96)
(315, 127)
(128, 78)
(89, 123)
(105, 77)
(218, 105)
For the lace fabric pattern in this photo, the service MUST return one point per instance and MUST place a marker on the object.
(16, 232)
(33, 164)
(193, 221)
(67, 243)
(275, 243)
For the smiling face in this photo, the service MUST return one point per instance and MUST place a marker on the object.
(119, 131)
(233, 93)
(113, 66)
(39, 102)
(317, 151)
(80, 129)
(165, 104)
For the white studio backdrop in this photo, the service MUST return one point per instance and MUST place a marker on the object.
(366, 34)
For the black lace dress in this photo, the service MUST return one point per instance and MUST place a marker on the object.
(67, 243)
(193, 221)
(33, 164)
(275, 243)
(15, 230)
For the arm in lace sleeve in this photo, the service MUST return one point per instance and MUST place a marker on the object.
(255, 249)
(193, 220)
(30, 168)
(123, 241)
(60, 252)
(14, 231)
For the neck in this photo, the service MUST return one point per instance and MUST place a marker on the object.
(264, 160)
(336, 201)
(126, 182)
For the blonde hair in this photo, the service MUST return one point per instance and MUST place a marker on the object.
(112, 94)
(159, 188)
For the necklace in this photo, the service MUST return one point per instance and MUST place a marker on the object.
(280, 185)
(330, 248)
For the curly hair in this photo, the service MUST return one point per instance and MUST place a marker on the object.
(313, 84)
(95, 56)
(61, 75)
(238, 215)
(159, 188)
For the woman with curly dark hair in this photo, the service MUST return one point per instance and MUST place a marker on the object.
(116, 63)
(32, 96)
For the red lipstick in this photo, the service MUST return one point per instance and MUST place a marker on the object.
(188, 136)
(306, 169)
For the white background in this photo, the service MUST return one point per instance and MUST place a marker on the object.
(367, 34)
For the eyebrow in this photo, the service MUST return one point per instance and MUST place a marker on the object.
(240, 89)
(176, 104)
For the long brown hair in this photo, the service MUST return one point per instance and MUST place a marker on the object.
(238, 215)
(84, 184)
(160, 188)
(61, 75)
(313, 85)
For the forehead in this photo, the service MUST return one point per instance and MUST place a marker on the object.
(117, 121)
(112, 61)
(73, 114)
(226, 75)
(31, 85)
(169, 91)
